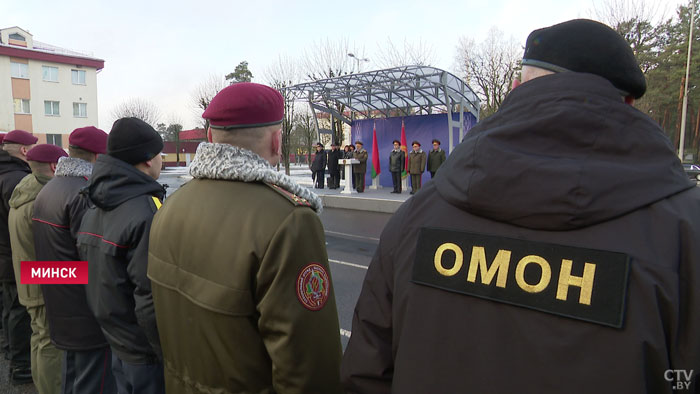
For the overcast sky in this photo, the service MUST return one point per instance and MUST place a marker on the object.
(161, 50)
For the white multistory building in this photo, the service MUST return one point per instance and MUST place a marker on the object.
(46, 90)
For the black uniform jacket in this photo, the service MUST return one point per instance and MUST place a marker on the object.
(58, 212)
(333, 157)
(12, 170)
(319, 163)
(556, 251)
(113, 238)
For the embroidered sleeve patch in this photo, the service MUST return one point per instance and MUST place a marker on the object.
(313, 287)
(572, 282)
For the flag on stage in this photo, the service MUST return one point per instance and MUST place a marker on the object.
(404, 148)
(375, 154)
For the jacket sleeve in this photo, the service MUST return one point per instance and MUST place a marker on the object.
(403, 160)
(368, 362)
(136, 268)
(443, 156)
(685, 353)
(423, 162)
(304, 345)
(324, 160)
(74, 212)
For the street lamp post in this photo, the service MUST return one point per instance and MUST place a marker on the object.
(687, 75)
(358, 60)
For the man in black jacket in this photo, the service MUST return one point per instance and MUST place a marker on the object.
(333, 167)
(573, 269)
(15, 319)
(397, 164)
(113, 238)
(58, 212)
(318, 167)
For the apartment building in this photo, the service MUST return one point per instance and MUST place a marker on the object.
(44, 89)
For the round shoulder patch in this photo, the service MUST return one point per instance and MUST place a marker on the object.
(313, 286)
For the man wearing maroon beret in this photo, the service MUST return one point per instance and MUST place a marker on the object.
(241, 283)
(46, 360)
(16, 321)
(58, 211)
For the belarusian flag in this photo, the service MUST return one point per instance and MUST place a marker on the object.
(375, 154)
(404, 148)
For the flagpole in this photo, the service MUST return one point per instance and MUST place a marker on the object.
(687, 75)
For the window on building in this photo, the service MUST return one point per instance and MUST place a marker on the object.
(78, 77)
(51, 108)
(21, 106)
(19, 70)
(49, 73)
(54, 139)
(18, 37)
(79, 110)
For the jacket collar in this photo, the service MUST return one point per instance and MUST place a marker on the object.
(233, 163)
(71, 166)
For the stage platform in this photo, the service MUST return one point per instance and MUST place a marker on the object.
(380, 200)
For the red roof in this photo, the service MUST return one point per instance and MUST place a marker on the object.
(194, 134)
(24, 53)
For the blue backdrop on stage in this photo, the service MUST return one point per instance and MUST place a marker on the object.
(422, 128)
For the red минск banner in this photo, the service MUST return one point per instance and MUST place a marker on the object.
(54, 272)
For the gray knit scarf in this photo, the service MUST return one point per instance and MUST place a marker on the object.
(227, 162)
(70, 166)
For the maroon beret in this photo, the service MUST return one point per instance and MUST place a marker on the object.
(20, 137)
(89, 138)
(245, 104)
(46, 153)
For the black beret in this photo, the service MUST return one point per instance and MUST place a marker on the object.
(586, 46)
(134, 141)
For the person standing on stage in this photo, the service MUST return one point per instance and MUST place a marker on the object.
(397, 162)
(416, 166)
(360, 169)
(435, 158)
(333, 166)
(318, 167)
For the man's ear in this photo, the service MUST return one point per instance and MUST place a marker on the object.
(23, 150)
(53, 167)
(515, 84)
(629, 100)
(209, 138)
(149, 163)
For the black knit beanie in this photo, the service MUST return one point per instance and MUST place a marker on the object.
(586, 46)
(133, 141)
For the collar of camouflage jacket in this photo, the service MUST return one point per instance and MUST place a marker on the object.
(71, 166)
(227, 162)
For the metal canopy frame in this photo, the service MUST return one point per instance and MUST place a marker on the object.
(421, 89)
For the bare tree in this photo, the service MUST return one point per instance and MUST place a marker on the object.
(137, 108)
(489, 67)
(328, 59)
(305, 132)
(281, 75)
(203, 94)
(416, 53)
(617, 12)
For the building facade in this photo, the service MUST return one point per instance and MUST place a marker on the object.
(46, 90)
